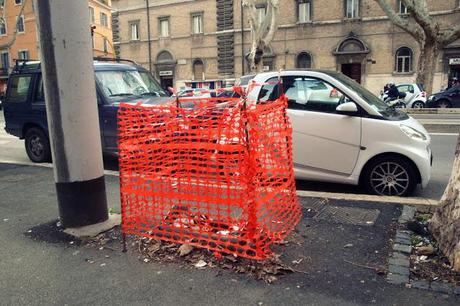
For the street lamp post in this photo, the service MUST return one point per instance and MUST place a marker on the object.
(68, 75)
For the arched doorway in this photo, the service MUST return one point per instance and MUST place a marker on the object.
(165, 67)
(351, 53)
(198, 70)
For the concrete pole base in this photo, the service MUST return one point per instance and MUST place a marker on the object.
(93, 230)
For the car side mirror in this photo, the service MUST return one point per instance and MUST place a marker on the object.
(411, 91)
(348, 108)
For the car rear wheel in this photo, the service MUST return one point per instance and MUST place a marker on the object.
(418, 104)
(390, 176)
(444, 104)
(400, 105)
(37, 146)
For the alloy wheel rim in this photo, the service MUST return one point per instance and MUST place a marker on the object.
(443, 105)
(36, 146)
(389, 178)
(418, 105)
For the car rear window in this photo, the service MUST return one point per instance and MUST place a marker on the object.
(19, 88)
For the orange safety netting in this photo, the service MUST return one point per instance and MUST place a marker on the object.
(208, 172)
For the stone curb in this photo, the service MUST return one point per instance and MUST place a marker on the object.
(399, 261)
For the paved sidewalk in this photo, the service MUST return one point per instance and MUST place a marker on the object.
(336, 240)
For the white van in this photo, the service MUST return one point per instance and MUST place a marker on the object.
(342, 133)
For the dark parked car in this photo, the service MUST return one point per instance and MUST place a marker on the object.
(445, 99)
(2, 97)
(116, 81)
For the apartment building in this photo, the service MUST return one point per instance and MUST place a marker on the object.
(100, 12)
(204, 43)
(24, 43)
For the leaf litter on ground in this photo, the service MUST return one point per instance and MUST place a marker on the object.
(268, 270)
(153, 250)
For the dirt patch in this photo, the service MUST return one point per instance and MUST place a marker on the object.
(426, 261)
(51, 232)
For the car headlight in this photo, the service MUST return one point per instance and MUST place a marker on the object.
(413, 133)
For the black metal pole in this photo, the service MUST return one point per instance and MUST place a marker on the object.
(123, 242)
(149, 39)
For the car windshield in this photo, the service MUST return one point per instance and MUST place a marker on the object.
(377, 104)
(126, 83)
(244, 80)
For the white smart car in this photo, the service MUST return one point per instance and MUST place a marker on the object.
(415, 95)
(349, 135)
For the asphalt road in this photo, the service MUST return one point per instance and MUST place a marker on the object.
(443, 145)
(337, 261)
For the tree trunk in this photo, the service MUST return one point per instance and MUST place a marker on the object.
(262, 31)
(427, 64)
(445, 224)
(256, 57)
(259, 67)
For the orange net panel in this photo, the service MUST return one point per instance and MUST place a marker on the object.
(208, 173)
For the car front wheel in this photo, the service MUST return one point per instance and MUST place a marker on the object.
(418, 104)
(444, 104)
(390, 176)
(37, 146)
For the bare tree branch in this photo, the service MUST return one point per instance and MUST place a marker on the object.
(262, 31)
(15, 32)
(274, 6)
(418, 9)
(450, 35)
(414, 29)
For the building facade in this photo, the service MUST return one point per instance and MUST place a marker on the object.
(25, 44)
(200, 43)
(100, 14)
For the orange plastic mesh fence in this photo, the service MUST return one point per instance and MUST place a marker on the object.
(213, 175)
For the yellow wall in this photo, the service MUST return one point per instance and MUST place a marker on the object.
(29, 39)
(24, 41)
(101, 31)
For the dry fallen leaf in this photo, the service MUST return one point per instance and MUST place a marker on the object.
(270, 279)
(201, 264)
(154, 248)
(296, 262)
(185, 249)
